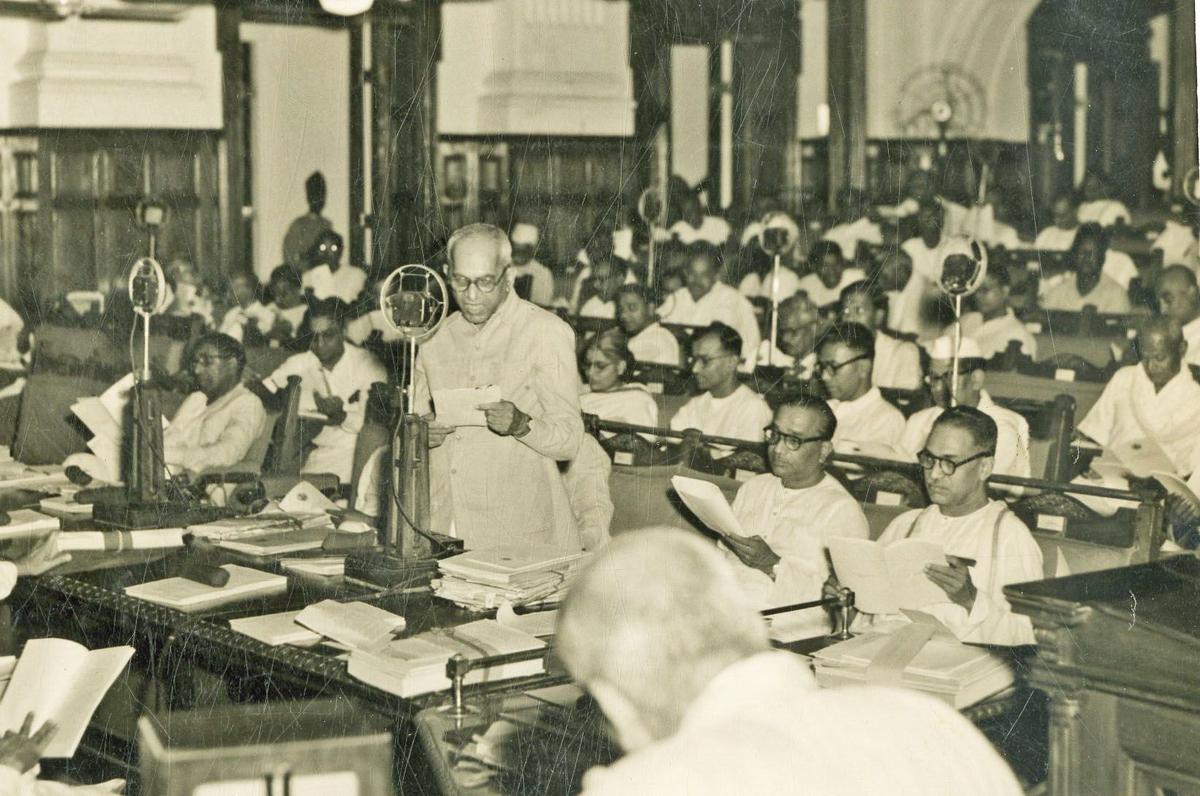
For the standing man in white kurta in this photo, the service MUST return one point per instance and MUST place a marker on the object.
(867, 423)
(792, 513)
(987, 546)
(335, 379)
(500, 483)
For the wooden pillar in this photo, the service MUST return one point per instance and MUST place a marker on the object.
(847, 53)
(231, 154)
(1183, 79)
(357, 232)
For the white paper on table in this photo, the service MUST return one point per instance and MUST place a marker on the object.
(304, 498)
(707, 502)
(456, 407)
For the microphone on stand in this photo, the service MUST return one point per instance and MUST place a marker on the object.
(652, 208)
(964, 263)
(148, 294)
(778, 236)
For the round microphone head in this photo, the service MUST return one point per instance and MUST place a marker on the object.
(779, 233)
(963, 263)
(652, 207)
(346, 8)
(413, 300)
(941, 111)
(147, 287)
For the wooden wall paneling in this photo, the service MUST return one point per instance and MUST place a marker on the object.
(847, 35)
(1186, 154)
(18, 215)
(232, 147)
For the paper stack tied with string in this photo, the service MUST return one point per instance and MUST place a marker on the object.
(489, 577)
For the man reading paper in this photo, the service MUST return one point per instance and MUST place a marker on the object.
(987, 546)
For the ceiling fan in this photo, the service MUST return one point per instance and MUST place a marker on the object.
(114, 10)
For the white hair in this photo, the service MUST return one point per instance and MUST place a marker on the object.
(486, 231)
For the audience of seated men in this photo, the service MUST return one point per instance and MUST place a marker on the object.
(525, 239)
(1088, 284)
(829, 276)
(897, 362)
(725, 407)
(598, 297)
(1098, 206)
(648, 340)
(288, 307)
(610, 395)
(910, 311)
(247, 315)
(845, 361)
(335, 378)
(799, 322)
(716, 711)
(697, 226)
(1179, 300)
(1012, 430)
(187, 294)
(704, 299)
(327, 277)
(853, 224)
(1059, 236)
(993, 324)
(792, 512)
(987, 547)
(758, 269)
(1156, 399)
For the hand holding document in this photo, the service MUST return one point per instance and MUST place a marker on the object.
(458, 407)
(708, 503)
(887, 578)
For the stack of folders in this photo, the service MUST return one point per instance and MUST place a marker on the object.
(352, 625)
(489, 577)
(191, 596)
(956, 673)
(411, 666)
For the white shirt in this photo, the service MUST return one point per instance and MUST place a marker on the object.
(848, 236)
(868, 419)
(541, 290)
(755, 286)
(1129, 410)
(1012, 440)
(823, 296)
(1191, 333)
(8, 581)
(1018, 559)
(627, 404)
(994, 335)
(771, 355)
(897, 364)
(1108, 297)
(1175, 240)
(207, 436)
(762, 726)
(596, 307)
(797, 524)
(1055, 239)
(1105, 212)
(723, 303)
(655, 344)
(713, 229)
(362, 327)
(743, 414)
(349, 379)
(346, 283)
(238, 318)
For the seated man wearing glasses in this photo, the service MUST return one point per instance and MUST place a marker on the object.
(987, 546)
(727, 408)
(793, 511)
(335, 378)
(867, 423)
(500, 483)
(1012, 441)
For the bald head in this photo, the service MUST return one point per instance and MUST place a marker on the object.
(648, 623)
(1178, 295)
(1161, 347)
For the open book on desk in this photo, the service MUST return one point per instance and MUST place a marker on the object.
(887, 578)
(708, 503)
(355, 624)
(60, 681)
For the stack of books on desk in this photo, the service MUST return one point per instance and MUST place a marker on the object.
(411, 666)
(190, 596)
(956, 673)
(487, 578)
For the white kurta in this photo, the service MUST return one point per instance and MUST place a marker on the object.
(204, 437)
(756, 286)
(362, 327)
(1017, 559)
(1055, 239)
(1175, 241)
(771, 355)
(346, 283)
(824, 296)
(1105, 212)
(496, 489)
(743, 414)
(712, 229)
(762, 726)
(350, 379)
(655, 344)
(1129, 410)
(1108, 297)
(848, 236)
(1012, 435)
(596, 307)
(897, 364)
(629, 403)
(586, 480)
(238, 318)
(723, 303)
(797, 524)
(1191, 333)
(541, 290)
(868, 419)
(994, 335)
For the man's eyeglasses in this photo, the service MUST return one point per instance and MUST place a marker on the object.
(831, 368)
(792, 442)
(484, 284)
(946, 465)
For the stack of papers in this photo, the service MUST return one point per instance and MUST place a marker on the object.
(258, 526)
(417, 665)
(325, 566)
(487, 578)
(353, 625)
(190, 596)
(276, 629)
(954, 672)
(276, 542)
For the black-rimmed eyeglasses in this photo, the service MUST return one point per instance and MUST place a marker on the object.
(946, 465)
(792, 442)
(832, 368)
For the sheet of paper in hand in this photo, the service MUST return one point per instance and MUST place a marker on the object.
(708, 503)
(1141, 457)
(887, 578)
(456, 407)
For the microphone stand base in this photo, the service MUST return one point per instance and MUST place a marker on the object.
(391, 571)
